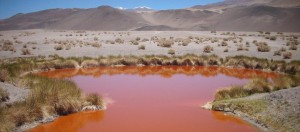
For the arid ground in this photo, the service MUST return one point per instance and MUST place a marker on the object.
(66, 43)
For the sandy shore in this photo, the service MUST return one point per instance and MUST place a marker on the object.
(42, 43)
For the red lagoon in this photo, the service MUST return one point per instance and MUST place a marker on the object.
(152, 99)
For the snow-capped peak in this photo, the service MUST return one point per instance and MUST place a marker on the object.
(121, 8)
(143, 7)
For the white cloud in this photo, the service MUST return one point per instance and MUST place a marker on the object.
(121, 8)
(142, 7)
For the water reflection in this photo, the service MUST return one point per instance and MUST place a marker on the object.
(164, 71)
(153, 98)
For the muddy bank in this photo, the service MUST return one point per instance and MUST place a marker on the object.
(276, 111)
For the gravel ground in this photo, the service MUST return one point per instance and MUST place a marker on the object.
(39, 47)
(16, 94)
(282, 112)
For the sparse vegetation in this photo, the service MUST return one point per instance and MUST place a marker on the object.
(277, 53)
(26, 51)
(263, 47)
(134, 42)
(186, 42)
(59, 47)
(224, 43)
(165, 43)
(287, 55)
(226, 50)
(141, 47)
(273, 38)
(119, 41)
(293, 47)
(4, 96)
(208, 49)
(171, 51)
(257, 85)
(47, 97)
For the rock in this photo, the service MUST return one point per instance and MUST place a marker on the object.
(207, 106)
(92, 107)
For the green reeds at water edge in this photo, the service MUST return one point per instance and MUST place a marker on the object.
(258, 85)
(48, 97)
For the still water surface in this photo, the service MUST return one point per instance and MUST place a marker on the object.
(153, 99)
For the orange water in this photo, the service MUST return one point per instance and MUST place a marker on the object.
(153, 99)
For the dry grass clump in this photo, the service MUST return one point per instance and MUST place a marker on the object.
(241, 48)
(4, 95)
(8, 46)
(277, 53)
(145, 40)
(141, 47)
(137, 38)
(257, 85)
(119, 41)
(208, 49)
(186, 42)
(287, 55)
(273, 38)
(226, 50)
(293, 47)
(94, 99)
(4, 74)
(171, 51)
(224, 43)
(134, 42)
(110, 42)
(59, 47)
(47, 97)
(231, 92)
(96, 45)
(165, 43)
(25, 51)
(263, 47)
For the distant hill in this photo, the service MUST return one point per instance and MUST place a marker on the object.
(229, 15)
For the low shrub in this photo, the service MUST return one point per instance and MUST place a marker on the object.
(141, 47)
(277, 53)
(293, 47)
(134, 42)
(208, 49)
(165, 43)
(224, 43)
(119, 41)
(4, 96)
(186, 42)
(59, 47)
(171, 51)
(96, 45)
(94, 99)
(231, 92)
(263, 47)
(287, 55)
(25, 51)
(273, 38)
(226, 50)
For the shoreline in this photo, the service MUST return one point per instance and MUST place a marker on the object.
(258, 119)
(188, 60)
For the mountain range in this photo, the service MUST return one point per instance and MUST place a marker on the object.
(228, 15)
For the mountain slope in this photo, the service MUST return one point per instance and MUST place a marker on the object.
(230, 15)
(256, 18)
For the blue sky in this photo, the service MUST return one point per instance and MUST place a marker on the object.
(9, 8)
